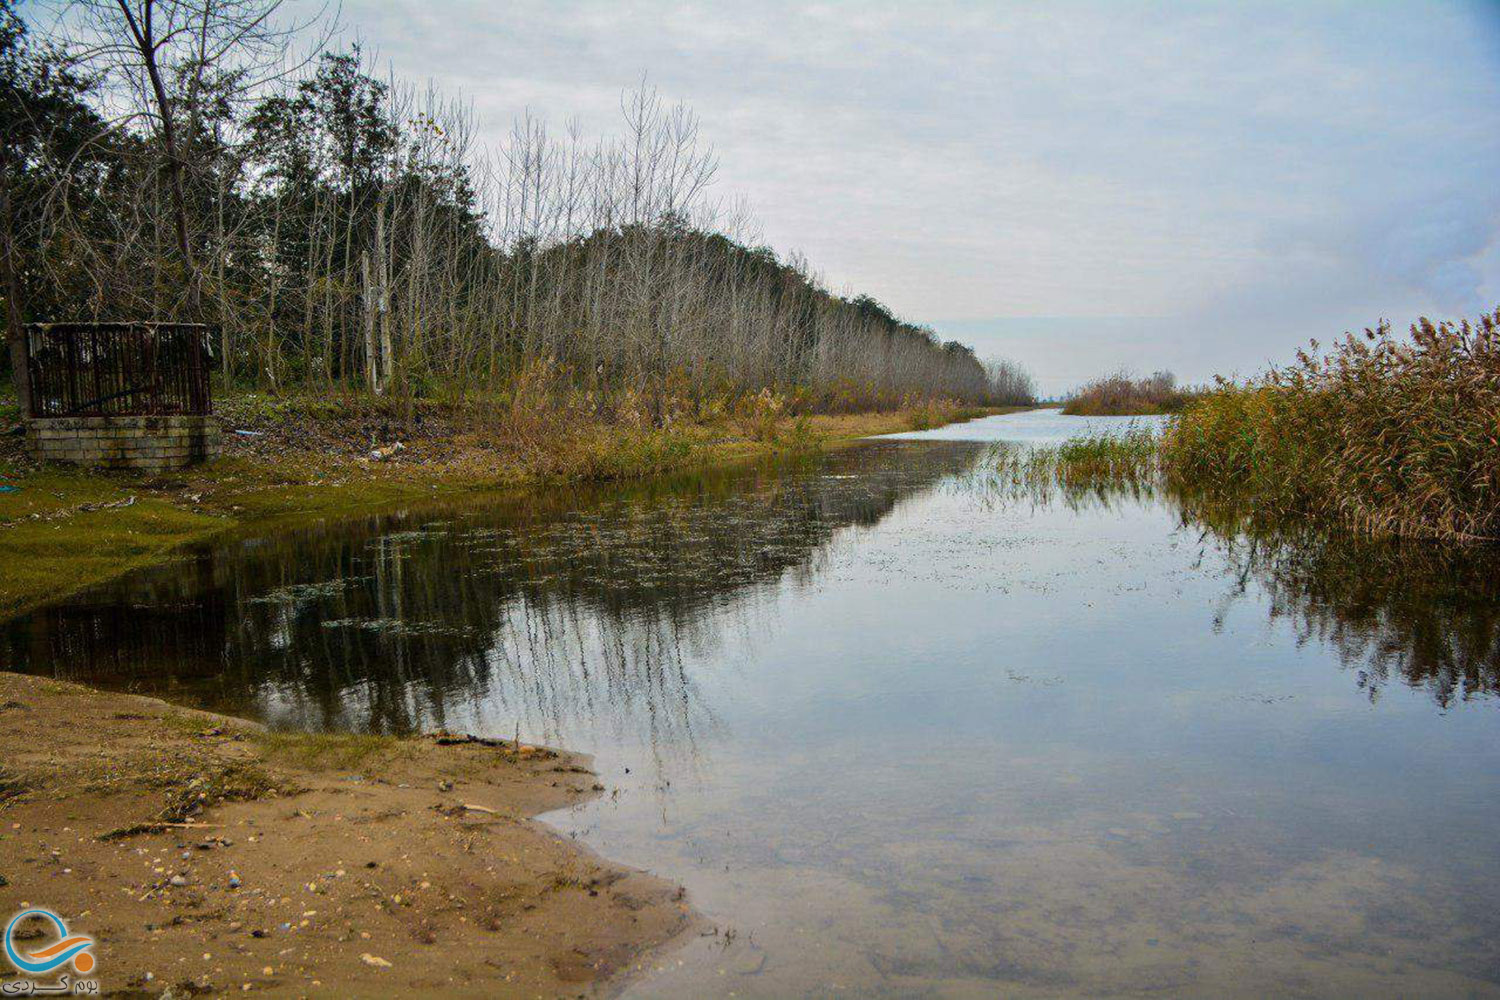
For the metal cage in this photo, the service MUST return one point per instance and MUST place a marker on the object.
(117, 369)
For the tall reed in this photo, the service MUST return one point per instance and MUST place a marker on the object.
(1081, 472)
(1395, 436)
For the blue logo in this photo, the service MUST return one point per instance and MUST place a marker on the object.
(69, 948)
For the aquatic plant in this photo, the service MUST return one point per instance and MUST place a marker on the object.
(1390, 435)
(305, 593)
(399, 626)
(1397, 610)
(1102, 458)
(1093, 471)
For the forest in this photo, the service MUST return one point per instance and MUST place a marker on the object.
(344, 230)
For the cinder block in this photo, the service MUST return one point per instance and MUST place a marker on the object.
(151, 444)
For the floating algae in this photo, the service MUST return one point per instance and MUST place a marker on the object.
(303, 593)
(402, 627)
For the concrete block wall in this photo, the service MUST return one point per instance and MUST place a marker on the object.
(147, 444)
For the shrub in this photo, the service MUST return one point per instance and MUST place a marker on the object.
(759, 416)
(1122, 394)
(925, 414)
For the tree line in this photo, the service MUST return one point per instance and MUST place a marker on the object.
(169, 159)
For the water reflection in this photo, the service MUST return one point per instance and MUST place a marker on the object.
(1421, 612)
(537, 611)
(554, 608)
(908, 726)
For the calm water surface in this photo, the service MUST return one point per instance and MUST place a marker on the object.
(904, 730)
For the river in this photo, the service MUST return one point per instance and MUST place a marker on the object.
(904, 729)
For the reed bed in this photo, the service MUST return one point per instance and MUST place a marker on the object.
(1390, 435)
(1123, 394)
(1127, 459)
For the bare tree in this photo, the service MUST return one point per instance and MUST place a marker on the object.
(349, 230)
(164, 56)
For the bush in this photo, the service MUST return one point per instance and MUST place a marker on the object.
(1122, 394)
(759, 416)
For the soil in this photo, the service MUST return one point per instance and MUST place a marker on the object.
(205, 855)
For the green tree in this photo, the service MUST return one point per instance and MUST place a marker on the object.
(48, 138)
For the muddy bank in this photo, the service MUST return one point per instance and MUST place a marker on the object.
(204, 854)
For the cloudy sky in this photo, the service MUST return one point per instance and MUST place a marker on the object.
(1080, 186)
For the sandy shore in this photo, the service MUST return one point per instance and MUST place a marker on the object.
(205, 855)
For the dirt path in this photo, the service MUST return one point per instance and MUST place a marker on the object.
(305, 865)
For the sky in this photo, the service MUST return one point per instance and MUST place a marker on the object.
(1081, 187)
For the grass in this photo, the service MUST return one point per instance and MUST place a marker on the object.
(55, 539)
(1127, 459)
(1391, 436)
(1096, 471)
(924, 415)
(1387, 435)
(327, 751)
(10, 785)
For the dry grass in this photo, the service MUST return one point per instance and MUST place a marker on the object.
(925, 414)
(1394, 436)
(1123, 394)
(759, 416)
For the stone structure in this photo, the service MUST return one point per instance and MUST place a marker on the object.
(120, 395)
(144, 443)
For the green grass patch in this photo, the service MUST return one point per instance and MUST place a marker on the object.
(1102, 459)
(329, 751)
(64, 529)
(64, 549)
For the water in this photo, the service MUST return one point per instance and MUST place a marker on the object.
(1032, 427)
(904, 731)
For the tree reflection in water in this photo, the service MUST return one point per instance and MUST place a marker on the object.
(1426, 613)
(524, 612)
(544, 610)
